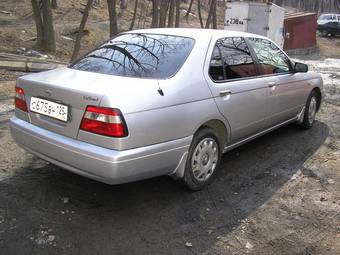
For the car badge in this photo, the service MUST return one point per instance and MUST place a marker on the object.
(48, 92)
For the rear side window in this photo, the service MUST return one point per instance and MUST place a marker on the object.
(138, 55)
(231, 59)
(272, 60)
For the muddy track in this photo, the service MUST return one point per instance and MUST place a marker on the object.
(252, 200)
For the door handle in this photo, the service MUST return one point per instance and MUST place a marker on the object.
(271, 84)
(224, 93)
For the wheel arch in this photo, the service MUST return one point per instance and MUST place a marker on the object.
(317, 90)
(219, 127)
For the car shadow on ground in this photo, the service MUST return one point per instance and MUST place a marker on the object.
(52, 211)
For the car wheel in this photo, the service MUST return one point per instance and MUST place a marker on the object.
(310, 111)
(324, 33)
(203, 159)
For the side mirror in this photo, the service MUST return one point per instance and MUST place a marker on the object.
(300, 68)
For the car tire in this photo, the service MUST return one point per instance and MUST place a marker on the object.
(324, 33)
(311, 108)
(203, 160)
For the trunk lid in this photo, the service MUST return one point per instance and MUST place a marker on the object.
(78, 89)
(66, 86)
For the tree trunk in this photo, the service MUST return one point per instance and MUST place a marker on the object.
(123, 4)
(81, 29)
(134, 15)
(48, 29)
(163, 12)
(171, 13)
(210, 14)
(143, 9)
(96, 2)
(54, 4)
(189, 10)
(214, 17)
(177, 19)
(207, 23)
(111, 5)
(200, 13)
(155, 16)
(38, 22)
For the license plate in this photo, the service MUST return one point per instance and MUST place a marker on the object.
(48, 108)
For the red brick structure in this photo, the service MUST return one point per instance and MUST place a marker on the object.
(300, 30)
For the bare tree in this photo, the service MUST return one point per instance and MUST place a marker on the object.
(111, 5)
(134, 15)
(208, 21)
(162, 13)
(96, 2)
(212, 12)
(171, 13)
(44, 24)
(123, 4)
(155, 13)
(189, 10)
(214, 16)
(144, 7)
(200, 13)
(81, 29)
(178, 5)
(38, 21)
(54, 4)
(49, 37)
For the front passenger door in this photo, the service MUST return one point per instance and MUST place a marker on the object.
(286, 89)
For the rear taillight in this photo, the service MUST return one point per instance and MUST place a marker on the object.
(104, 121)
(19, 100)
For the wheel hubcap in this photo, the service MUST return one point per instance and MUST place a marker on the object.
(312, 110)
(204, 159)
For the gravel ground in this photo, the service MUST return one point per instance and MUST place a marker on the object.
(279, 194)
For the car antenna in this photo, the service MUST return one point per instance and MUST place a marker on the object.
(160, 91)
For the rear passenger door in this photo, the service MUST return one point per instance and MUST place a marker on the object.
(286, 89)
(241, 97)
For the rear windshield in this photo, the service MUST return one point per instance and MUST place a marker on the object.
(138, 55)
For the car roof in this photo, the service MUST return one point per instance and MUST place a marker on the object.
(195, 33)
(324, 14)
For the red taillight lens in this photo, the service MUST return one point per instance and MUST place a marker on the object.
(19, 100)
(104, 121)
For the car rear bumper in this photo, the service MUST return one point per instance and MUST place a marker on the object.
(102, 164)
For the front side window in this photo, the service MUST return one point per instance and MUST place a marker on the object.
(231, 59)
(270, 57)
(138, 55)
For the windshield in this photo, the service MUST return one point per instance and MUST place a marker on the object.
(138, 55)
(327, 17)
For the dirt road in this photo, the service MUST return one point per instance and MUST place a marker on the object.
(279, 194)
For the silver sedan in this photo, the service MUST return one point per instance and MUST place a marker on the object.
(162, 102)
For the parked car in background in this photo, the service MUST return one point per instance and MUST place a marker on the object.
(329, 24)
(162, 102)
